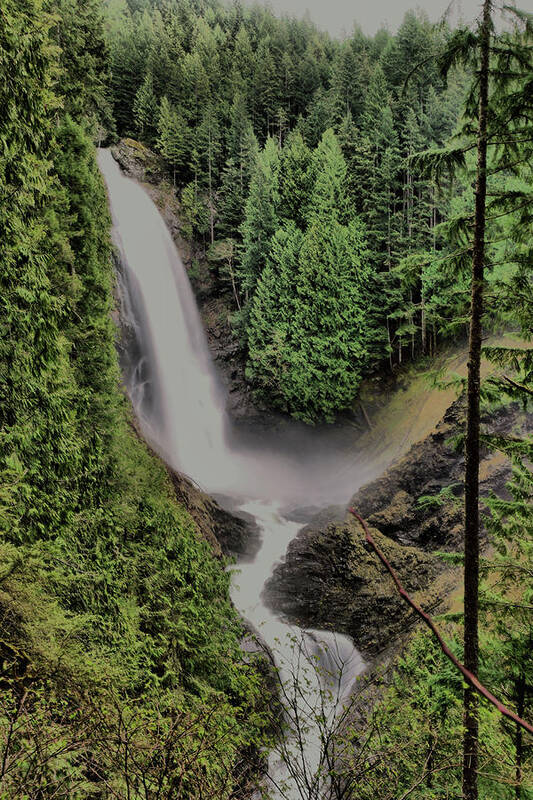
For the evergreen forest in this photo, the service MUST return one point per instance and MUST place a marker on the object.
(360, 205)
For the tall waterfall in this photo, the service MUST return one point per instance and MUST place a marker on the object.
(180, 405)
(189, 424)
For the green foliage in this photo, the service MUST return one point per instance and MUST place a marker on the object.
(121, 669)
(171, 142)
(261, 217)
(412, 739)
(235, 77)
(145, 109)
(193, 212)
(271, 318)
(295, 180)
(79, 31)
(121, 663)
(306, 333)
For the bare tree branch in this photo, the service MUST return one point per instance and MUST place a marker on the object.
(468, 676)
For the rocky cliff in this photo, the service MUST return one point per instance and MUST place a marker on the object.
(330, 579)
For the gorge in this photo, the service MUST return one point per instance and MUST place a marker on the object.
(274, 477)
(262, 321)
(179, 403)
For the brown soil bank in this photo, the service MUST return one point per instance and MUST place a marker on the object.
(329, 579)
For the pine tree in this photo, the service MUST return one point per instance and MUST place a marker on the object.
(261, 218)
(510, 529)
(79, 32)
(306, 332)
(127, 69)
(171, 137)
(266, 90)
(328, 173)
(239, 127)
(145, 109)
(235, 181)
(209, 147)
(196, 86)
(414, 46)
(351, 74)
(194, 214)
(37, 398)
(329, 349)
(294, 180)
(242, 68)
(270, 326)
(495, 109)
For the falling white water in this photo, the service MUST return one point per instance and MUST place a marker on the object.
(180, 405)
(190, 425)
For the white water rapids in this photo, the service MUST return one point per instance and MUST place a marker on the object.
(180, 405)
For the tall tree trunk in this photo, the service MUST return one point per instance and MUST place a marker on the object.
(471, 568)
(211, 207)
(430, 747)
(520, 691)
(423, 322)
(390, 346)
(412, 322)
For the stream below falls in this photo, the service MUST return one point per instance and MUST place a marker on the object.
(180, 404)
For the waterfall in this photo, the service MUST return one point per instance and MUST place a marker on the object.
(189, 423)
(180, 405)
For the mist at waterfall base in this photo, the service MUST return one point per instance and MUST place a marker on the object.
(180, 404)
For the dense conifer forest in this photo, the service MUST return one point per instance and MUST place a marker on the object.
(360, 203)
(270, 129)
(121, 669)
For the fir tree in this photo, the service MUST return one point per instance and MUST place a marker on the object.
(261, 218)
(328, 173)
(171, 137)
(270, 328)
(235, 181)
(79, 31)
(295, 180)
(145, 109)
(209, 146)
(329, 348)
(499, 104)
(306, 331)
(242, 68)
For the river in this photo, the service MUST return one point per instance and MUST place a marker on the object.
(180, 404)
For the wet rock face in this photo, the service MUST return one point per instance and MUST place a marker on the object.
(398, 503)
(230, 533)
(137, 161)
(331, 579)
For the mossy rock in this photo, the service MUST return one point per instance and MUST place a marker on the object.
(331, 579)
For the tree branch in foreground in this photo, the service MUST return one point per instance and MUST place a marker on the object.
(468, 676)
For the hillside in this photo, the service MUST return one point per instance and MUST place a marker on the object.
(121, 658)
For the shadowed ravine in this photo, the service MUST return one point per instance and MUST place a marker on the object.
(180, 405)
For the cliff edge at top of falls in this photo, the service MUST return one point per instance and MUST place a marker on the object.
(214, 302)
(330, 579)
